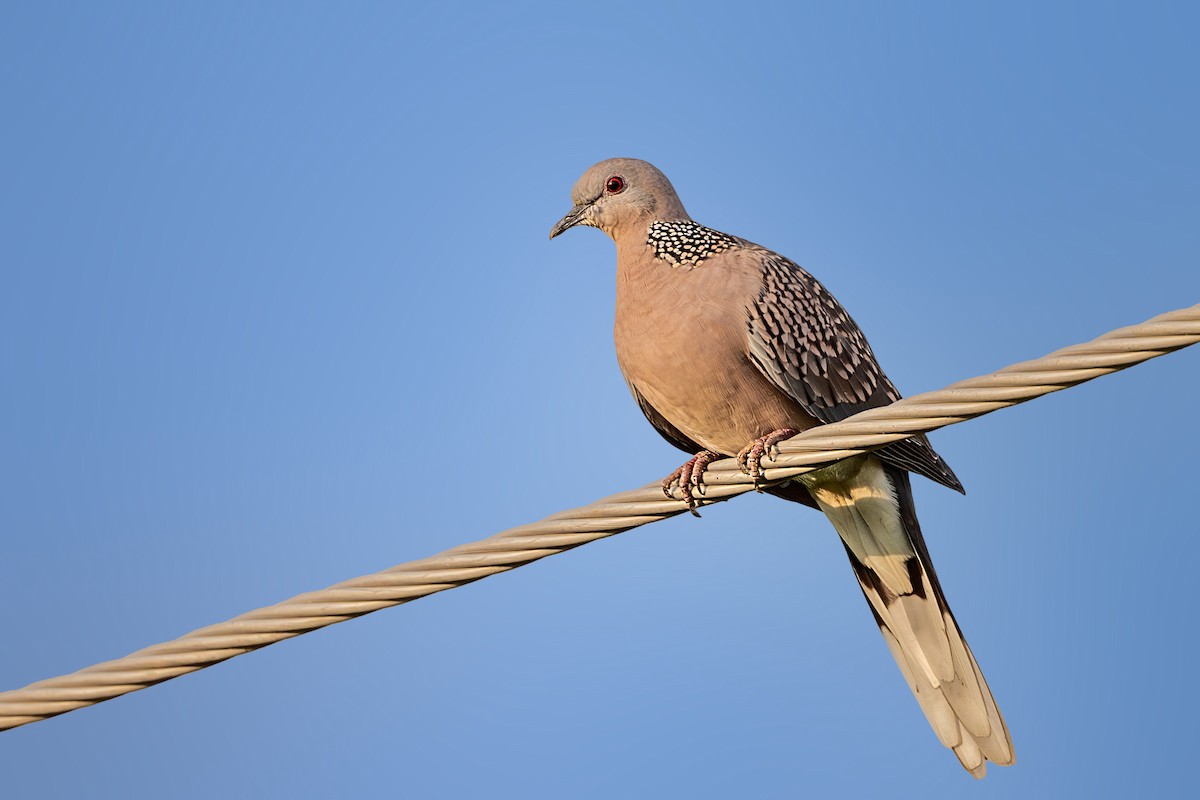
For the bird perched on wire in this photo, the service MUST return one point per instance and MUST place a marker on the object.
(730, 348)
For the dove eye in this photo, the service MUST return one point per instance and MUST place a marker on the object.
(614, 185)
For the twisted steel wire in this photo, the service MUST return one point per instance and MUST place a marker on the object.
(460, 565)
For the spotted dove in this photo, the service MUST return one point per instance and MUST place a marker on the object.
(729, 348)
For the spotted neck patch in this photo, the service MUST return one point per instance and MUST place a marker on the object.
(683, 243)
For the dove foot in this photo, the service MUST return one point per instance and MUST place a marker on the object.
(750, 458)
(690, 479)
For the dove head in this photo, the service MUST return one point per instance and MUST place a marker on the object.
(619, 195)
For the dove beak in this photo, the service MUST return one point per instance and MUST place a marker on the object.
(573, 218)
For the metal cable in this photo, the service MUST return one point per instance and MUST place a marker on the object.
(567, 529)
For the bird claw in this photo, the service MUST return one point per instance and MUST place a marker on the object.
(750, 458)
(690, 480)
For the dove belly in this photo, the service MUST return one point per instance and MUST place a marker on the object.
(696, 372)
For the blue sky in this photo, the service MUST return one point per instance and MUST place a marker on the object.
(279, 309)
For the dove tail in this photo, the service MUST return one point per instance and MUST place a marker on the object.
(873, 513)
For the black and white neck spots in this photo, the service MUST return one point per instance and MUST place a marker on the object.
(685, 243)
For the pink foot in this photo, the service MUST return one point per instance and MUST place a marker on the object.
(690, 479)
(750, 459)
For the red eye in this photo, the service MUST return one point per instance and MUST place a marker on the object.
(614, 185)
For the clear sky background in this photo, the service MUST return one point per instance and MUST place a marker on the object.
(275, 282)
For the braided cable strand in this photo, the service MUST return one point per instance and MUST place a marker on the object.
(517, 546)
